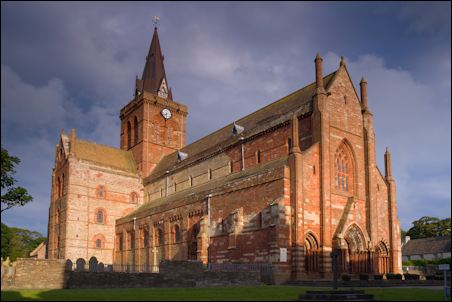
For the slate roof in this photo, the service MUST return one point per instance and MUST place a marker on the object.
(432, 245)
(185, 196)
(154, 69)
(223, 137)
(105, 155)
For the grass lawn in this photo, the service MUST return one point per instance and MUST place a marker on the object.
(249, 293)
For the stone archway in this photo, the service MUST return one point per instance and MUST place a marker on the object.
(312, 251)
(382, 258)
(354, 253)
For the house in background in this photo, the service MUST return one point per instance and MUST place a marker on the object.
(431, 248)
(40, 251)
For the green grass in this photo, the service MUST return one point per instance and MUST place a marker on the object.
(250, 293)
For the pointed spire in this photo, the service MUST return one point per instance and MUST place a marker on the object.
(295, 136)
(342, 62)
(154, 77)
(388, 168)
(318, 71)
(363, 85)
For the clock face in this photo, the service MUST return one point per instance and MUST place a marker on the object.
(166, 114)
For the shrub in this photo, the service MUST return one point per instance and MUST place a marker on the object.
(393, 276)
(346, 277)
(411, 276)
(363, 277)
(378, 277)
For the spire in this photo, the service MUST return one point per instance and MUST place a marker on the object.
(342, 62)
(363, 85)
(295, 136)
(154, 79)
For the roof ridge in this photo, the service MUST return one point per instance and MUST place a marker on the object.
(102, 145)
(258, 110)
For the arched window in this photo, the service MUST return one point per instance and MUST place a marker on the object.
(160, 236)
(134, 198)
(135, 131)
(100, 192)
(146, 237)
(129, 135)
(177, 234)
(343, 169)
(258, 156)
(100, 216)
(99, 241)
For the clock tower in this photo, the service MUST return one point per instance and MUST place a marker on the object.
(152, 124)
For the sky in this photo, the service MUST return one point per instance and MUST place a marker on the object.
(73, 65)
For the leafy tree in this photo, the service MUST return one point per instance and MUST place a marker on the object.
(18, 243)
(14, 196)
(429, 227)
(6, 238)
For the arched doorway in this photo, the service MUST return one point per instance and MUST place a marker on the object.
(382, 258)
(193, 242)
(355, 258)
(311, 248)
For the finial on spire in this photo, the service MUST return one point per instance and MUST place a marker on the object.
(155, 21)
(318, 71)
(363, 85)
(342, 62)
(388, 168)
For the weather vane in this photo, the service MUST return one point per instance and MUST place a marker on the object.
(156, 20)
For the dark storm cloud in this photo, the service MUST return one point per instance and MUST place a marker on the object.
(72, 64)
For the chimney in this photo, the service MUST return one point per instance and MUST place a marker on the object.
(405, 240)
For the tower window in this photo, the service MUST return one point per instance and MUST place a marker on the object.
(156, 134)
(258, 156)
(135, 131)
(129, 135)
(100, 216)
(98, 244)
(170, 130)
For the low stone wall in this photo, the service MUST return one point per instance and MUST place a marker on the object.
(51, 274)
(29, 273)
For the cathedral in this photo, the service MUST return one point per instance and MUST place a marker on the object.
(289, 185)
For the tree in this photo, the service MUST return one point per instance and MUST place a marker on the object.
(14, 196)
(429, 227)
(6, 238)
(19, 243)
